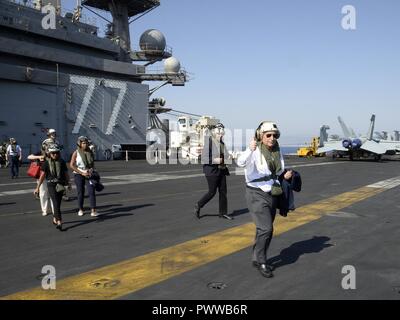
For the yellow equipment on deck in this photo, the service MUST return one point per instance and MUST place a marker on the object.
(311, 150)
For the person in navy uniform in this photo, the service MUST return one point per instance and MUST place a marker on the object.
(215, 170)
(14, 157)
(264, 165)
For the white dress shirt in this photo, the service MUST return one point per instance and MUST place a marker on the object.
(256, 167)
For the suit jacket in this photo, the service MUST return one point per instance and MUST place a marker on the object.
(212, 149)
(286, 199)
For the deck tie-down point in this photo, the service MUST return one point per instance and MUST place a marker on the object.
(104, 283)
(217, 285)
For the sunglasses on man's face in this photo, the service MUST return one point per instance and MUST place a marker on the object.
(269, 135)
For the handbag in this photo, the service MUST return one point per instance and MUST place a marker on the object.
(34, 170)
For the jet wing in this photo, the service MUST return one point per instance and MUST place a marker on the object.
(332, 146)
(373, 147)
(390, 145)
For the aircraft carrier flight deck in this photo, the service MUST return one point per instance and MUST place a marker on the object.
(147, 243)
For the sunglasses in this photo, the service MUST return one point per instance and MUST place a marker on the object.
(269, 135)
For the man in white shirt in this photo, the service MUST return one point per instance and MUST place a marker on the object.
(14, 156)
(263, 162)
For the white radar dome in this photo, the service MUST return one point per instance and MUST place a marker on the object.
(152, 39)
(172, 65)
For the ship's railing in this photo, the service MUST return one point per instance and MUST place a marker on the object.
(122, 154)
(151, 48)
(162, 71)
(87, 19)
(148, 47)
(28, 3)
(161, 155)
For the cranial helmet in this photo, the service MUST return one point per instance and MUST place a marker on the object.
(82, 139)
(219, 128)
(267, 126)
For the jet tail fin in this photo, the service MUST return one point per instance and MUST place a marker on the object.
(371, 128)
(347, 133)
(323, 135)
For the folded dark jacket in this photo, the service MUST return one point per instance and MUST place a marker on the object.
(286, 199)
(94, 180)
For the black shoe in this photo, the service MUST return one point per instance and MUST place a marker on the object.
(265, 270)
(269, 266)
(197, 211)
(59, 227)
(225, 216)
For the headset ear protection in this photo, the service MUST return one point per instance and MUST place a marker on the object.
(257, 134)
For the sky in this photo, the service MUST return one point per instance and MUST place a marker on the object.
(287, 61)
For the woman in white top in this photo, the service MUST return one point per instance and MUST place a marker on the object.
(82, 164)
(45, 201)
(263, 162)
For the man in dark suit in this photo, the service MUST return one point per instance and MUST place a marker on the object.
(213, 159)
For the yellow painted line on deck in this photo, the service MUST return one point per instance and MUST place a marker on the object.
(116, 280)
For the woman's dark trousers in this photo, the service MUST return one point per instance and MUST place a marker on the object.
(80, 182)
(214, 183)
(56, 197)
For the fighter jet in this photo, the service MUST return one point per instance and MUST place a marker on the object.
(353, 145)
(391, 143)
